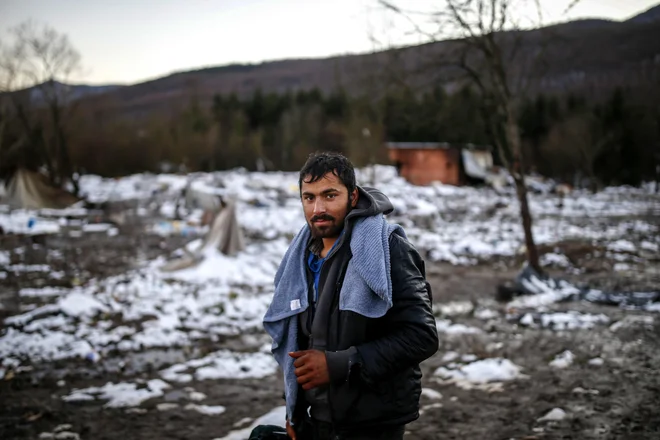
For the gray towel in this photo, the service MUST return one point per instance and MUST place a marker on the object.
(367, 289)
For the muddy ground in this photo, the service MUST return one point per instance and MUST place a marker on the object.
(620, 399)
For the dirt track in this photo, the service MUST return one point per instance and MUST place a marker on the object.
(620, 399)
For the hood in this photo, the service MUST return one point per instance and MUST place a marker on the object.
(370, 202)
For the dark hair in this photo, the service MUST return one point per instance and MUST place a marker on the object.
(320, 164)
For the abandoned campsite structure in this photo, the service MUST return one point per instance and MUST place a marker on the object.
(422, 163)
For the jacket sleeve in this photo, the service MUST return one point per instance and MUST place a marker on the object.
(410, 332)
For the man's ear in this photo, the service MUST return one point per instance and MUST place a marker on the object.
(354, 198)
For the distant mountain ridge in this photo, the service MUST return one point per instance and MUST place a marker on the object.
(605, 53)
(70, 91)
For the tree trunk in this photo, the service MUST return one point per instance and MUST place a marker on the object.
(517, 171)
(525, 216)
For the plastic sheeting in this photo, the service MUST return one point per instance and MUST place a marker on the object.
(530, 282)
(30, 190)
(225, 235)
(477, 164)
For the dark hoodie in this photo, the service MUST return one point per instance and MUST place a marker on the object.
(340, 333)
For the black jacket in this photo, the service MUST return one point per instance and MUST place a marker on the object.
(373, 363)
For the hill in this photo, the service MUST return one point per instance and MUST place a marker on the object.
(584, 55)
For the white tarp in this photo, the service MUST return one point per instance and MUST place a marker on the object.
(477, 163)
(30, 190)
(225, 235)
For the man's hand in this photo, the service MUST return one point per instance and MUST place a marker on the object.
(290, 431)
(311, 368)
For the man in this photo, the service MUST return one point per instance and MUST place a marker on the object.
(351, 317)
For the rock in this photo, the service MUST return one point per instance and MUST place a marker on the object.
(175, 395)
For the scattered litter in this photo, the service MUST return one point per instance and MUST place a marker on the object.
(93, 357)
(541, 290)
(166, 406)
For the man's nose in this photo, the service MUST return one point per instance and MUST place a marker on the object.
(319, 206)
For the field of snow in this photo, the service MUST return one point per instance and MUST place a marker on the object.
(225, 297)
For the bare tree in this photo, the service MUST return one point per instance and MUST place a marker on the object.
(485, 51)
(35, 69)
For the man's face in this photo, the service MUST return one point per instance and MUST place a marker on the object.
(326, 203)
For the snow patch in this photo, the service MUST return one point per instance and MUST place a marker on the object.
(563, 360)
(446, 326)
(222, 364)
(490, 372)
(554, 415)
(121, 394)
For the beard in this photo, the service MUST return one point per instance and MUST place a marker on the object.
(330, 230)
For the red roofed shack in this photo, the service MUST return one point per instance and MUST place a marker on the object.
(421, 163)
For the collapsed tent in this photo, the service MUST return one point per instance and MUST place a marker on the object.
(30, 190)
(225, 235)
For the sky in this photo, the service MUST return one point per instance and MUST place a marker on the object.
(126, 42)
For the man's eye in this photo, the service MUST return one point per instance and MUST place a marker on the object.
(331, 196)
(308, 198)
